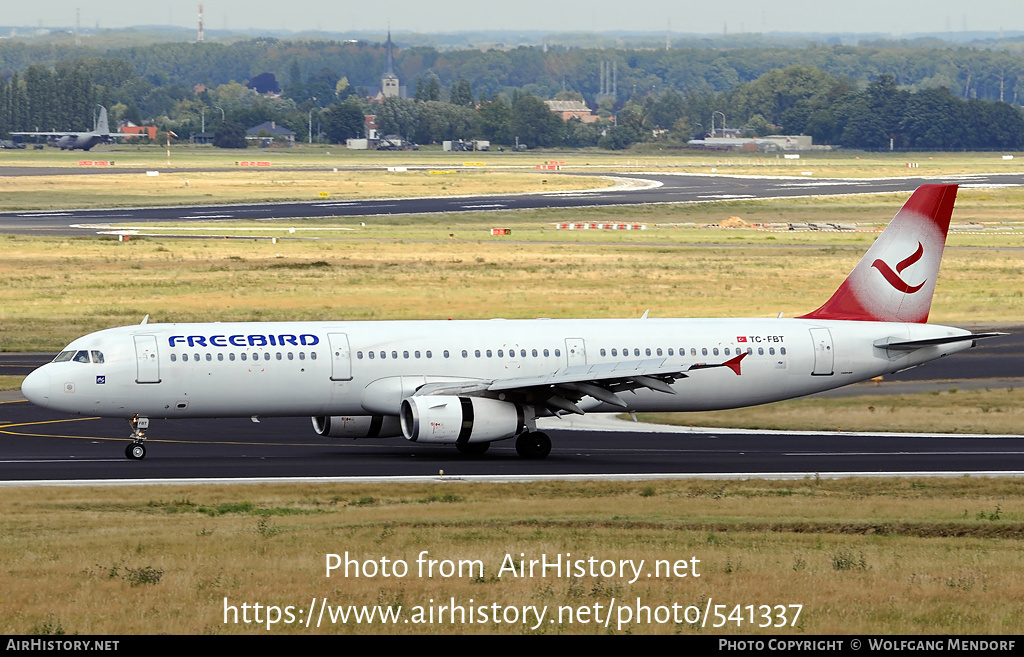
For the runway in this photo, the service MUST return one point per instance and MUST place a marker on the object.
(648, 188)
(37, 446)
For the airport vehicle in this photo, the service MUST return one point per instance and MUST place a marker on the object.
(83, 140)
(470, 383)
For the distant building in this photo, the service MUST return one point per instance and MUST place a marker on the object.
(270, 129)
(144, 130)
(571, 109)
(389, 87)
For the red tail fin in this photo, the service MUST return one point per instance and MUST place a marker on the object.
(895, 279)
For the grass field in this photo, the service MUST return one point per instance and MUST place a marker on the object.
(885, 556)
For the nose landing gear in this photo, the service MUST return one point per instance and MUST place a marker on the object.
(136, 450)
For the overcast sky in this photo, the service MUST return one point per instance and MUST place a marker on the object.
(894, 17)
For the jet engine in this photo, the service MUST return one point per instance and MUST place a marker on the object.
(357, 426)
(447, 419)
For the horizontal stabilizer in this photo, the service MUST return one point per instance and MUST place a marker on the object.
(910, 345)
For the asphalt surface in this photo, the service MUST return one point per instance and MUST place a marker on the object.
(35, 446)
(667, 188)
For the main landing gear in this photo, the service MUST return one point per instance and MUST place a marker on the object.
(533, 445)
(136, 450)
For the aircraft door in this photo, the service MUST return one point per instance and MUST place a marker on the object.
(575, 351)
(823, 355)
(146, 359)
(341, 358)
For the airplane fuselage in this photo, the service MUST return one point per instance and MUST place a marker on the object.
(366, 368)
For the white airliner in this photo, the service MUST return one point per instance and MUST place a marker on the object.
(470, 383)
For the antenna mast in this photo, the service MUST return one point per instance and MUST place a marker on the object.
(199, 37)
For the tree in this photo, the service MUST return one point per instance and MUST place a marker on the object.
(396, 116)
(264, 83)
(534, 124)
(461, 93)
(230, 135)
(344, 121)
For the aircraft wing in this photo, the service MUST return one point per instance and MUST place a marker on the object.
(47, 134)
(561, 390)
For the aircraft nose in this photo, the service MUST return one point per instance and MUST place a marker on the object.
(36, 387)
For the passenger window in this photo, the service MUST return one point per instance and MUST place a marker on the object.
(760, 351)
(359, 356)
(488, 352)
(558, 352)
(196, 357)
(647, 351)
(174, 358)
(220, 356)
(704, 351)
(209, 357)
(727, 351)
(266, 355)
(693, 351)
(446, 353)
(771, 350)
(715, 351)
(244, 356)
(501, 353)
(383, 354)
(231, 356)
(615, 352)
(394, 354)
(522, 353)
(465, 354)
(312, 355)
(184, 357)
(405, 354)
(782, 350)
(750, 350)
(546, 353)
(659, 351)
(290, 355)
(477, 353)
(603, 352)
(429, 354)
(302, 355)
(416, 354)
(669, 352)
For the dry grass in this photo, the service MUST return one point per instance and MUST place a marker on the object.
(189, 188)
(53, 290)
(862, 556)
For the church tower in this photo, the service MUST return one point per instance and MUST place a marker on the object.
(389, 81)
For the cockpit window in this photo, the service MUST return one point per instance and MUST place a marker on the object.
(97, 356)
(82, 356)
(63, 356)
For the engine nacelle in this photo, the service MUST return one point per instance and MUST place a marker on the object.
(448, 419)
(358, 426)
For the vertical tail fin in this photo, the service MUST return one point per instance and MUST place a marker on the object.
(895, 279)
(101, 123)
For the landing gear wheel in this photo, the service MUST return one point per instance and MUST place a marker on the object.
(135, 451)
(472, 449)
(533, 445)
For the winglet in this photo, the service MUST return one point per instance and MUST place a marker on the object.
(895, 280)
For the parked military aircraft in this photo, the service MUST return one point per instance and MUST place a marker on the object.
(71, 140)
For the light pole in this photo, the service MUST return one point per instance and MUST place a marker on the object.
(221, 113)
(713, 122)
(202, 113)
